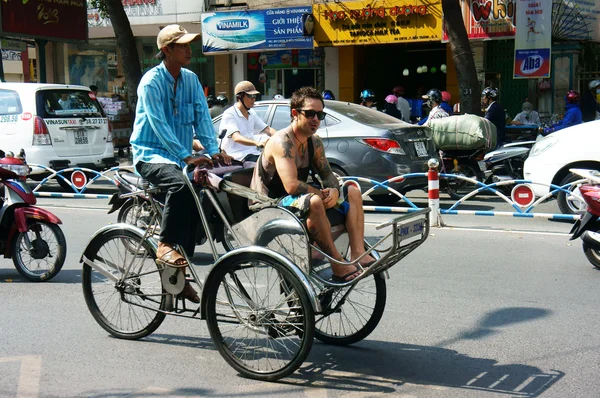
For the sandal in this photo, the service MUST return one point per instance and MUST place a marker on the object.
(168, 259)
(343, 278)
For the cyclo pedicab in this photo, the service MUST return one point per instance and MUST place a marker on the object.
(263, 301)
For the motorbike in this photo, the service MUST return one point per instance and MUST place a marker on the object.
(30, 235)
(468, 163)
(135, 208)
(588, 227)
(506, 162)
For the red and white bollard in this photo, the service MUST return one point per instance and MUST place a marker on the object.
(433, 192)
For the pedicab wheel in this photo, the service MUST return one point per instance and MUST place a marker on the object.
(592, 255)
(358, 315)
(44, 257)
(128, 307)
(263, 331)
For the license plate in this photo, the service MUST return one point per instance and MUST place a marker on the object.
(421, 150)
(409, 230)
(482, 165)
(81, 137)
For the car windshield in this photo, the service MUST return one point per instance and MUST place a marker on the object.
(69, 103)
(361, 114)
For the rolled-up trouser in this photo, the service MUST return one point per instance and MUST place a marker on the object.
(180, 216)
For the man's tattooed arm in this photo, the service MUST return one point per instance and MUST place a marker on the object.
(322, 166)
(287, 145)
(301, 189)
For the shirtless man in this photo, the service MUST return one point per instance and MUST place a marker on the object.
(282, 171)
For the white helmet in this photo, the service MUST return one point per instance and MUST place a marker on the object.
(593, 84)
(280, 97)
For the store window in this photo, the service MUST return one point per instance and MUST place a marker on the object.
(94, 63)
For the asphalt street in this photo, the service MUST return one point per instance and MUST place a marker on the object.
(488, 306)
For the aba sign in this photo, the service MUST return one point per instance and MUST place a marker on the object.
(532, 63)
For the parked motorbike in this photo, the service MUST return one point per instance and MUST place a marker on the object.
(506, 162)
(30, 235)
(588, 227)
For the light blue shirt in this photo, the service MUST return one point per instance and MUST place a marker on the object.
(165, 122)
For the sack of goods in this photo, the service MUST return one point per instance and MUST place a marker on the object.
(463, 132)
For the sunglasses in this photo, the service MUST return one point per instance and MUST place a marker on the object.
(309, 113)
(252, 96)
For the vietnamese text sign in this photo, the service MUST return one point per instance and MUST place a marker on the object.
(533, 39)
(377, 22)
(52, 20)
(488, 19)
(249, 30)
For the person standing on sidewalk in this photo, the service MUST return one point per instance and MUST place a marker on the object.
(403, 105)
(172, 108)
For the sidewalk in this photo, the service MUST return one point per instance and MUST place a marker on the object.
(124, 156)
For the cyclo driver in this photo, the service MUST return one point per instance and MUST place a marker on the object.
(171, 107)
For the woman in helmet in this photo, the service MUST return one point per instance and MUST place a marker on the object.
(328, 95)
(367, 98)
(434, 101)
(572, 113)
(590, 106)
(390, 108)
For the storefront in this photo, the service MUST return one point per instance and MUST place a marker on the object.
(383, 44)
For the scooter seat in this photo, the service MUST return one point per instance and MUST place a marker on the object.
(132, 179)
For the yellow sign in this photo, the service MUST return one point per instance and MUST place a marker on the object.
(377, 22)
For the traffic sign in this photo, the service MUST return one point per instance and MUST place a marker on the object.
(78, 179)
(523, 195)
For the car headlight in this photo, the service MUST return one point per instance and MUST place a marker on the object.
(543, 145)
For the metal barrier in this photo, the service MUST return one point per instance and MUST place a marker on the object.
(77, 192)
(434, 201)
(432, 175)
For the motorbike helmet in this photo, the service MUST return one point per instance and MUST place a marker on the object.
(398, 90)
(572, 97)
(433, 95)
(490, 92)
(391, 99)
(446, 97)
(278, 97)
(367, 95)
(328, 95)
(593, 84)
(211, 100)
(222, 100)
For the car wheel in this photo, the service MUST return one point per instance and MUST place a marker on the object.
(569, 204)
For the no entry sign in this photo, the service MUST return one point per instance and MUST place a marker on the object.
(523, 195)
(78, 179)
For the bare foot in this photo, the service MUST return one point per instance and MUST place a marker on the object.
(344, 273)
(165, 252)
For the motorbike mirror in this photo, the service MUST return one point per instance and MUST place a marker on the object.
(222, 135)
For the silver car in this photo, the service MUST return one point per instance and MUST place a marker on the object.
(363, 142)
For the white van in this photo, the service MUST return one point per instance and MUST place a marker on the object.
(57, 125)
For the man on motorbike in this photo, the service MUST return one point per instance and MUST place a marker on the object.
(242, 123)
(282, 171)
(572, 113)
(171, 108)
(494, 112)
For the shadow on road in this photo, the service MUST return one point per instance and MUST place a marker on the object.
(374, 367)
(10, 275)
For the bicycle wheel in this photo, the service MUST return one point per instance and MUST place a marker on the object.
(137, 212)
(261, 329)
(45, 256)
(127, 308)
(358, 315)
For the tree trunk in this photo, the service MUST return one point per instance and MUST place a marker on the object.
(126, 43)
(463, 58)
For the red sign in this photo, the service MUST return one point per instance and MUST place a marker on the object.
(52, 20)
(523, 195)
(78, 179)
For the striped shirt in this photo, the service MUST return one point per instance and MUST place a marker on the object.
(165, 122)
